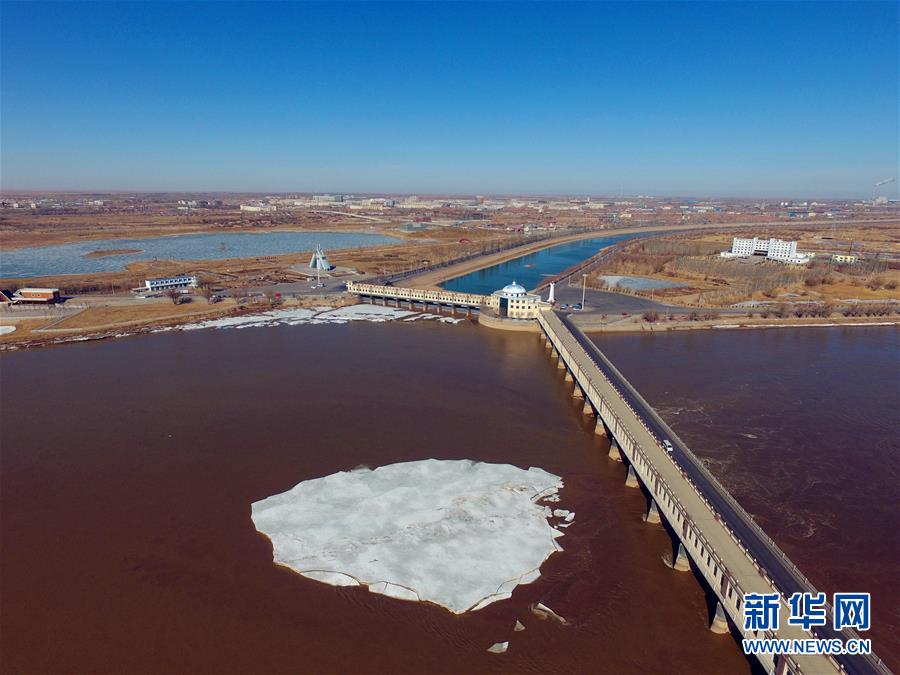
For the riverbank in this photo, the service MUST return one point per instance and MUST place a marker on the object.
(432, 279)
(106, 321)
(635, 324)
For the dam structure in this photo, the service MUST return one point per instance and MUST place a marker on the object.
(712, 534)
(417, 296)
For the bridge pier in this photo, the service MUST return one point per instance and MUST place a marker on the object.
(576, 392)
(720, 620)
(600, 428)
(631, 478)
(681, 562)
(559, 361)
(615, 452)
(588, 408)
(568, 376)
(652, 515)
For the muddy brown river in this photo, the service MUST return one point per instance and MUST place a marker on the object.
(128, 467)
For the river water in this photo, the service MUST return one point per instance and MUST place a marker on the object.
(70, 258)
(801, 425)
(530, 270)
(128, 469)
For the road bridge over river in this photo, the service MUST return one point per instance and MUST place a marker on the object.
(723, 543)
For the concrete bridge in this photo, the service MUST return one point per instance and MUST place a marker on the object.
(712, 533)
(413, 296)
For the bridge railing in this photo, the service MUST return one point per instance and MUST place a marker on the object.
(552, 331)
(420, 294)
(654, 472)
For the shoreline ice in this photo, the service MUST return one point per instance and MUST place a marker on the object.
(297, 316)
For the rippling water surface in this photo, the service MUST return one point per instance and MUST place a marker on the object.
(70, 258)
(803, 427)
(128, 468)
(530, 270)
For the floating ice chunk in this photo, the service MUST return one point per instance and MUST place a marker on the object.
(457, 533)
(333, 578)
(519, 626)
(560, 513)
(543, 612)
(498, 647)
(6, 330)
(393, 591)
(494, 597)
(570, 517)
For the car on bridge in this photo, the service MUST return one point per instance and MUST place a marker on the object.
(667, 445)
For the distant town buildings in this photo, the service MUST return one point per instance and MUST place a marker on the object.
(168, 283)
(773, 249)
(847, 258)
(259, 208)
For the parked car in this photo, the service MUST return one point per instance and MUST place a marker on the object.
(667, 444)
(576, 306)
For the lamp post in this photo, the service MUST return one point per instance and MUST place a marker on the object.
(583, 288)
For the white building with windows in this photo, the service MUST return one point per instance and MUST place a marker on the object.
(773, 249)
(168, 283)
(514, 302)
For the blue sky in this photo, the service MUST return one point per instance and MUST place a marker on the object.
(733, 99)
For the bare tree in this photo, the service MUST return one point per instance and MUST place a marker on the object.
(782, 310)
(173, 295)
(207, 292)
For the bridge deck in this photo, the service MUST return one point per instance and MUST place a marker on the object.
(727, 547)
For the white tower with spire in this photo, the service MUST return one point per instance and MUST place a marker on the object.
(552, 297)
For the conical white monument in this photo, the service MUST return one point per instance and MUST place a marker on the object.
(319, 261)
(552, 297)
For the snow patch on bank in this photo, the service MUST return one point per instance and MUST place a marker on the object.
(6, 330)
(457, 533)
(297, 316)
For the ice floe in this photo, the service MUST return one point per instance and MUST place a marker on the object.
(541, 611)
(295, 316)
(457, 533)
(5, 330)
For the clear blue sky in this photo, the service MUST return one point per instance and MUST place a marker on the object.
(759, 99)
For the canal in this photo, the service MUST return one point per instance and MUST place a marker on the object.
(531, 269)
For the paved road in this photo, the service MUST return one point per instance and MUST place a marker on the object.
(785, 577)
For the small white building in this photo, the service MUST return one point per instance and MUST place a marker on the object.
(514, 302)
(773, 249)
(168, 283)
(259, 208)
